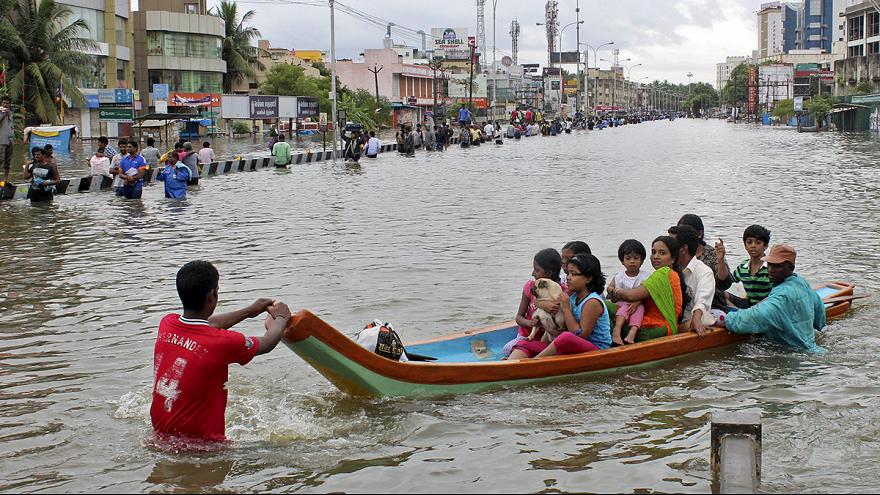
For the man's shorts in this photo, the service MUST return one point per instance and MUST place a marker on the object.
(6, 156)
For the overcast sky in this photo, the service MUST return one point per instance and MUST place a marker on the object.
(669, 37)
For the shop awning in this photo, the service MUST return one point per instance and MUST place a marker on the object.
(846, 107)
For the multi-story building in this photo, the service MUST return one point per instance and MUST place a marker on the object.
(725, 69)
(863, 48)
(177, 43)
(110, 27)
(611, 91)
(778, 28)
(270, 57)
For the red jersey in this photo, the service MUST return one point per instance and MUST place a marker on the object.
(190, 370)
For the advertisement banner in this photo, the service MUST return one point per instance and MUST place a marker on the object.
(449, 38)
(753, 89)
(160, 92)
(263, 107)
(478, 102)
(92, 101)
(58, 137)
(194, 100)
(307, 107)
(122, 96)
(565, 57)
(162, 106)
(106, 96)
(120, 114)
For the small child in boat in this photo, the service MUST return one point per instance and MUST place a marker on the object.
(570, 250)
(752, 273)
(546, 264)
(632, 254)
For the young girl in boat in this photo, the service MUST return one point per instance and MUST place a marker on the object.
(632, 255)
(587, 320)
(663, 293)
(546, 264)
(570, 250)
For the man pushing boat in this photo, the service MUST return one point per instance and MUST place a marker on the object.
(790, 314)
(193, 352)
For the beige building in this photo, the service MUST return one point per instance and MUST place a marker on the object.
(270, 57)
(111, 28)
(610, 89)
(177, 43)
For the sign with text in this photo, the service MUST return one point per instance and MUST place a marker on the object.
(753, 88)
(194, 100)
(122, 95)
(92, 101)
(119, 114)
(160, 92)
(565, 57)
(263, 107)
(449, 38)
(307, 107)
(798, 103)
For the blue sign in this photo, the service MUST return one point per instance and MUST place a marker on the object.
(122, 95)
(160, 92)
(59, 140)
(93, 101)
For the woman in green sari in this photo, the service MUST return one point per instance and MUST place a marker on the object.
(663, 293)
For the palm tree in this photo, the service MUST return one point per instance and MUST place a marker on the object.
(238, 51)
(44, 53)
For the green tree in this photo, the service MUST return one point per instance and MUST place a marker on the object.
(703, 96)
(44, 52)
(241, 56)
(819, 107)
(736, 91)
(784, 110)
(290, 80)
(864, 87)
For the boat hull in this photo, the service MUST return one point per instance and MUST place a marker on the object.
(357, 371)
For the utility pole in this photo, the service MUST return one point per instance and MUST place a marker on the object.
(376, 70)
(471, 81)
(577, 94)
(337, 136)
(435, 64)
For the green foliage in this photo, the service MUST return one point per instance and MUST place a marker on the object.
(241, 128)
(240, 55)
(737, 88)
(864, 87)
(44, 51)
(784, 110)
(819, 107)
(703, 96)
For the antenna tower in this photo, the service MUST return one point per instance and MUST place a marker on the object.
(514, 40)
(481, 27)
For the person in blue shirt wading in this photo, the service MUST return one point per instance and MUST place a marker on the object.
(175, 174)
(792, 312)
(464, 116)
(131, 169)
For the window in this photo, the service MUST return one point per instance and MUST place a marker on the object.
(188, 81)
(873, 47)
(93, 18)
(183, 45)
(855, 28)
(191, 8)
(120, 30)
(856, 51)
(121, 72)
(99, 75)
(873, 24)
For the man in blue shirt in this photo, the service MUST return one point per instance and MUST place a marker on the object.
(792, 312)
(131, 169)
(175, 175)
(464, 115)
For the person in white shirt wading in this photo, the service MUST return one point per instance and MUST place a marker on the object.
(373, 145)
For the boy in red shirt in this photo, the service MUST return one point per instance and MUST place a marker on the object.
(193, 352)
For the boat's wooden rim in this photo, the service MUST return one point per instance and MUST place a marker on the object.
(306, 325)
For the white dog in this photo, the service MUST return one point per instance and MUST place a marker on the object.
(548, 290)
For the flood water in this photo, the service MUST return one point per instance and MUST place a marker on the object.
(437, 244)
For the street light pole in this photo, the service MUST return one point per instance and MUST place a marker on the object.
(596, 59)
(577, 94)
(336, 133)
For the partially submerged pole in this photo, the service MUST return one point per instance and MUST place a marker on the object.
(736, 452)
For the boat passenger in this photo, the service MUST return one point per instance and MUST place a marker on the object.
(700, 281)
(587, 318)
(193, 352)
(571, 249)
(708, 257)
(663, 293)
(546, 264)
(792, 312)
(752, 273)
(175, 175)
(632, 255)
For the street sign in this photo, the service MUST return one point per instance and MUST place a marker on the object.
(472, 41)
(117, 114)
(92, 101)
(798, 103)
(322, 121)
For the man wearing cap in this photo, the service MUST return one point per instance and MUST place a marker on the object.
(790, 314)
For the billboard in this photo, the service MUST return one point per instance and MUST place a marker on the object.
(566, 57)
(241, 106)
(263, 107)
(194, 100)
(306, 107)
(450, 42)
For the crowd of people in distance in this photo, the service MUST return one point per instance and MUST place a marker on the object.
(685, 292)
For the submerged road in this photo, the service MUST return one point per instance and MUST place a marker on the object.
(439, 243)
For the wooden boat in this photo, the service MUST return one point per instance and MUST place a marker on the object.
(471, 362)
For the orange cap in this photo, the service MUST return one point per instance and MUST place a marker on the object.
(781, 253)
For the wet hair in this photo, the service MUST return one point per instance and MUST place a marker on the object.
(36, 149)
(672, 230)
(589, 266)
(281, 137)
(578, 247)
(101, 150)
(757, 232)
(195, 280)
(696, 222)
(674, 247)
(151, 141)
(550, 261)
(688, 236)
(631, 246)
(103, 140)
(133, 144)
(206, 144)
